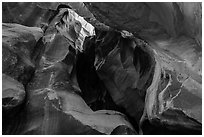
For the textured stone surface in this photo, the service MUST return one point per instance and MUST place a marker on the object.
(54, 107)
(13, 92)
(66, 29)
(151, 20)
(174, 97)
(146, 64)
(18, 45)
(125, 73)
(25, 13)
(173, 31)
(13, 98)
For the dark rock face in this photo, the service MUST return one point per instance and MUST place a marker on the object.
(120, 68)
(123, 130)
(88, 80)
(121, 73)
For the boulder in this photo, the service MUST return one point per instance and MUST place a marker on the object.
(18, 45)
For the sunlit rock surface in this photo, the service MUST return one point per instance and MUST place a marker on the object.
(66, 29)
